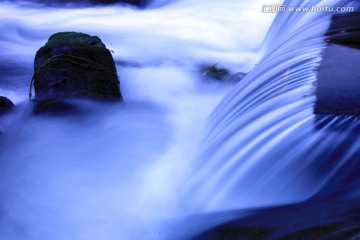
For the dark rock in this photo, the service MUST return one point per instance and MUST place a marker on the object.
(5, 105)
(75, 65)
(345, 29)
(220, 74)
(82, 3)
(55, 107)
(139, 3)
(213, 72)
(338, 86)
(308, 220)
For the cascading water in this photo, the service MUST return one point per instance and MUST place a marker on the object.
(265, 146)
(131, 170)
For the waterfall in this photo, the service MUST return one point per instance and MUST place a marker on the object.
(142, 168)
(264, 144)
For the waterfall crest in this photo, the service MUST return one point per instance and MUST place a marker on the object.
(264, 144)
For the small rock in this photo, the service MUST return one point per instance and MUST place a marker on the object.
(220, 74)
(75, 65)
(213, 72)
(5, 105)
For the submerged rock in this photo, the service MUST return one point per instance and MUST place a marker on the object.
(5, 105)
(213, 72)
(237, 77)
(75, 65)
(220, 74)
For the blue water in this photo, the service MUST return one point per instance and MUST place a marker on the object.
(178, 147)
(264, 144)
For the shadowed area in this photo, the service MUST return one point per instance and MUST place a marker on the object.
(338, 85)
(315, 219)
(82, 3)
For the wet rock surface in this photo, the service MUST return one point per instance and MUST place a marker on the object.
(75, 65)
(345, 29)
(312, 219)
(54, 107)
(214, 72)
(338, 87)
(5, 105)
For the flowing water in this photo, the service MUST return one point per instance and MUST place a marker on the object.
(140, 169)
(265, 146)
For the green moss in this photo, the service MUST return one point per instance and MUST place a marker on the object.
(73, 38)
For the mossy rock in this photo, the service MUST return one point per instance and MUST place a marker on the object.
(62, 39)
(75, 64)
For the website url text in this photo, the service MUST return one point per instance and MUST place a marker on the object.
(276, 8)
